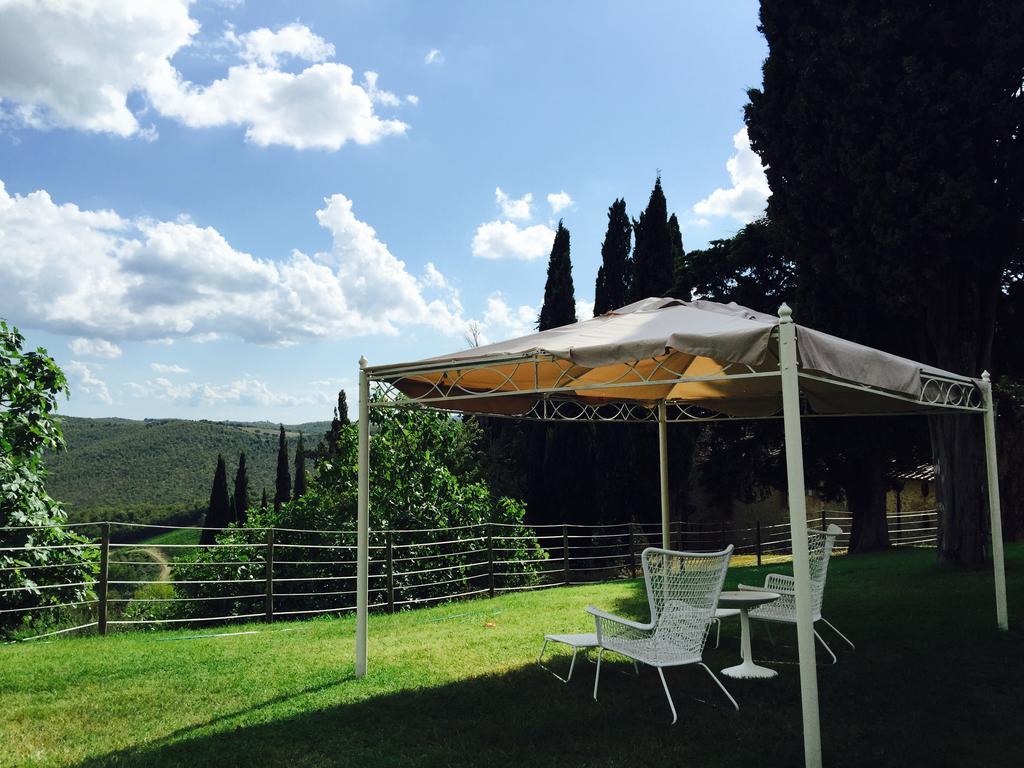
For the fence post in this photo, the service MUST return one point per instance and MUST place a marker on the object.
(268, 602)
(899, 517)
(101, 618)
(565, 552)
(824, 519)
(632, 550)
(389, 562)
(490, 560)
(757, 543)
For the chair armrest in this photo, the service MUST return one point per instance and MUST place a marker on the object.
(749, 588)
(598, 613)
(780, 582)
(609, 625)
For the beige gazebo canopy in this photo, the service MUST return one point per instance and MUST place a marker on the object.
(665, 360)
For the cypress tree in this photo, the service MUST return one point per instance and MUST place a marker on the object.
(218, 514)
(612, 288)
(559, 306)
(241, 496)
(682, 281)
(558, 456)
(300, 470)
(652, 251)
(283, 488)
(333, 435)
(263, 501)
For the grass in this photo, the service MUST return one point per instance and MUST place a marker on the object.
(932, 683)
(176, 536)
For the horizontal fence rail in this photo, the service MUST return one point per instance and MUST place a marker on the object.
(266, 573)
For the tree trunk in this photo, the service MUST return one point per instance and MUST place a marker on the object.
(959, 452)
(865, 489)
(960, 327)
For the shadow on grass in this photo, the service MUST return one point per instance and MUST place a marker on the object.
(523, 717)
(932, 683)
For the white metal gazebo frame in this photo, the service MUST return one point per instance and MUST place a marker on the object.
(560, 401)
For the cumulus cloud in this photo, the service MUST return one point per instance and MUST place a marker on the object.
(584, 309)
(267, 48)
(96, 274)
(506, 240)
(433, 56)
(559, 201)
(84, 379)
(78, 64)
(745, 200)
(167, 368)
(503, 321)
(246, 391)
(511, 208)
(94, 348)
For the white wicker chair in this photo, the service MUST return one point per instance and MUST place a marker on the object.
(682, 590)
(783, 610)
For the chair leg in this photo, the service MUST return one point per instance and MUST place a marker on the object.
(719, 682)
(845, 638)
(718, 631)
(597, 674)
(671, 704)
(572, 663)
(825, 646)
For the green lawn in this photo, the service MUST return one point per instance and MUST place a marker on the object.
(932, 683)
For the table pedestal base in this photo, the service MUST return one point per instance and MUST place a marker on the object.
(749, 669)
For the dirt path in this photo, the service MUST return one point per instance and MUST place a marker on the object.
(158, 557)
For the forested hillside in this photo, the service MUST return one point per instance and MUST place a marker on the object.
(160, 470)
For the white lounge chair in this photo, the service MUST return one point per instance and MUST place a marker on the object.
(783, 610)
(682, 590)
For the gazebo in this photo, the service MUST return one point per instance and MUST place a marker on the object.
(664, 360)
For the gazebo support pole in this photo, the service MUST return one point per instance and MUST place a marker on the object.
(798, 527)
(363, 521)
(995, 517)
(666, 530)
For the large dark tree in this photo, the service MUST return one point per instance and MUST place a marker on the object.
(555, 456)
(240, 498)
(559, 307)
(612, 288)
(652, 249)
(682, 280)
(892, 136)
(218, 514)
(283, 486)
(300, 470)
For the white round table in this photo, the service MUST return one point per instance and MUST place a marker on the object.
(744, 600)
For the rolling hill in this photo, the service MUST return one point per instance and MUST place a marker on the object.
(160, 470)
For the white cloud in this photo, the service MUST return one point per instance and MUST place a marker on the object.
(85, 379)
(434, 56)
(501, 321)
(267, 48)
(167, 368)
(745, 200)
(559, 201)
(96, 274)
(94, 348)
(247, 391)
(584, 309)
(413, 99)
(506, 240)
(77, 65)
(318, 108)
(518, 209)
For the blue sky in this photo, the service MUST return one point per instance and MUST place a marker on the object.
(210, 209)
